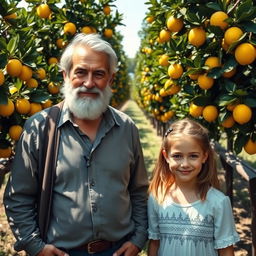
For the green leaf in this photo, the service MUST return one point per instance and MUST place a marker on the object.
(39, 96)
(3, 98)
(215, 72)
(13, 44)
(241, 92)
(3, 44)
(201, 101)
(248, 26)
(229, 86)
(250, 101)
(226, 99)
(239, 143)
(3, 60)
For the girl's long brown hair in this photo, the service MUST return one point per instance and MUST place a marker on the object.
(162, 177)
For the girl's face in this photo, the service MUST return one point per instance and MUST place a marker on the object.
(185, 159)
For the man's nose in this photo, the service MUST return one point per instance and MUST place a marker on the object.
(89, 81)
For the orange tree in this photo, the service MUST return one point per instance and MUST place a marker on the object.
(197, 59)
(31, 42)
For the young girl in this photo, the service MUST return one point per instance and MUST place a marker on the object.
(188, 215)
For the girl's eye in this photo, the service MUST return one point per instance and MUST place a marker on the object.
(194, 156)
(176, 156)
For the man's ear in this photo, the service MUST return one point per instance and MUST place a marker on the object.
(112, 79)
(64, 74)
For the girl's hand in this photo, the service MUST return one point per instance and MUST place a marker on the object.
(127, 249)
(51, 250)
(153, 247)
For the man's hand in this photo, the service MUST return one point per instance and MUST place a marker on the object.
(51, 250)
(127, 249)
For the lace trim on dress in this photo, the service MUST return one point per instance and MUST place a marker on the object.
(226, 242)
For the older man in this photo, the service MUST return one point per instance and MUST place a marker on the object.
(100, 186)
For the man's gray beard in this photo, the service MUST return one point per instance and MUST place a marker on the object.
(86, 107)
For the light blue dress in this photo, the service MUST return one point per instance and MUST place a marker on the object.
(199, 228)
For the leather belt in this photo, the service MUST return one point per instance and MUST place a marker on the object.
(96, 246)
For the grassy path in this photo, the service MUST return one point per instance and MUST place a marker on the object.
(150, 141)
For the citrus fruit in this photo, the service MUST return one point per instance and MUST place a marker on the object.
(205, 82)
(175, 71)
(15, 132)
(22, 106)
(34, 108)
(164, 60)
(108, 32)
(164, 35)
(250, 147)
(52, 60)
(210, 113)
(232, 34)
(86, 30)
(242, 113)
(230, 73)
(2, 79)
(106, 10)
(14, 67)
(174, 24)
(5, 152)
(7, 109)
(196, 36)
(69, 28)
(47, 104)
(228, 122)
(150, 19)
(41, 73)
(245, 54)
(52, 88)
(32, 83)
(43, 11)
(212, 62)
(26, 73)
(60, 43)
(195, 110)
(218, 19)
(11, 16)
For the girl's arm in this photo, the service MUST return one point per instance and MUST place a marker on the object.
(153, 247)
(228, 251)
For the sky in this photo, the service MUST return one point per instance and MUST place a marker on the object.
(133, 14)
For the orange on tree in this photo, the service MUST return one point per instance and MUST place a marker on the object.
(195, 110)
(245, 54)
(228, 122)
(212, 62)
(174, 24)
(46, 104)
(60, 43)
(106, 10)
(52, 60)
(196, 36)
(232, 35)
(69, 28)
(210, 113)
(87, 30)
(14, 67)
(164, 36)
(150, 19)
(41, 74)
(5, 152)
(108, 32)
(250, 147)
(173, 89)
(7, 109)
(15, 132)
(2, 79)
(175, 70)
(242, 113)
(53, 88)
(219, 19)
(26, 73)
(205, 82)
(164, 60)
(43, 11)
(32, 83)
(34, 108)
(22, 106)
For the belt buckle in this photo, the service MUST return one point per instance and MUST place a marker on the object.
(89, 249)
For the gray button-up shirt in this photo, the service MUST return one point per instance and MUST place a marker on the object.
(100, 190)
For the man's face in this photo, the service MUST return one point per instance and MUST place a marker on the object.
(90, 69)
(87, 86)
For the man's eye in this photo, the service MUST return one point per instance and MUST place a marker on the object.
(99, 74)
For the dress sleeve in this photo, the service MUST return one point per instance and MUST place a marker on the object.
(224, 226)
(153, 225)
